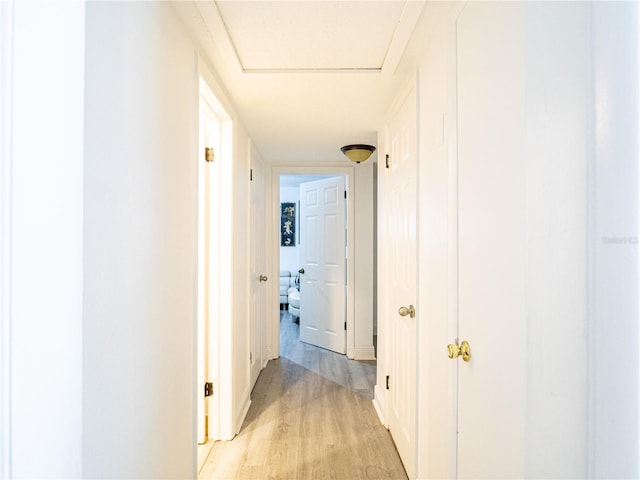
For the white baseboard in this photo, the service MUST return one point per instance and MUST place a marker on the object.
(272, 354)
(379, 404)
(364, 353)
(242, 414)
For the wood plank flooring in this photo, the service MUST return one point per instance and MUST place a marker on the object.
(311, 417)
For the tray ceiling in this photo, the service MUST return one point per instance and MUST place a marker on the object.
(306, 77)
(311, 35)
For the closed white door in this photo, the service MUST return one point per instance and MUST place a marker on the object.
(401, 221)
(323, 243)
(259, 279)
(491, 200)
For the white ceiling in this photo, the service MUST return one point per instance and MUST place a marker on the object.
(310, 35)
(306, 76)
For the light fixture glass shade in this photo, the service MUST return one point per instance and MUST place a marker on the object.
(358, 153)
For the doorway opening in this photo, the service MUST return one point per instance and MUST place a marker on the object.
(359, 309)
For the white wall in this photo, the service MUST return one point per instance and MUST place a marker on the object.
(613, 243)
(363, 263)
(557, 129)
(41, 199)
(140, 228)
(290, 256)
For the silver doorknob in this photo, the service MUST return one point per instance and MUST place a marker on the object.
(263, 278)
(410, 310)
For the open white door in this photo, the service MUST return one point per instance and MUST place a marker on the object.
(258, 294)
(323, 245)
(401, 221)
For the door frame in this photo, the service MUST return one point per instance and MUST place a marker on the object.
(273, 199)
(220, 365)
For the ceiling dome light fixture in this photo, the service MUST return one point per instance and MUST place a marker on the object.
(358, 153)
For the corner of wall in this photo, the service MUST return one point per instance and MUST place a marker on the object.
(245, 403)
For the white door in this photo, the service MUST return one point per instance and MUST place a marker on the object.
(491, 200)
(259, 279)
(401, 221)
(323, 244)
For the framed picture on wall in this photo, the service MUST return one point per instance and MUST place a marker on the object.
(287, 224)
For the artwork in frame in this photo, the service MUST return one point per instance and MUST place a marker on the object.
(288, 224)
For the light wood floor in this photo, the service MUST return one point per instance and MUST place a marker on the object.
(311, 416)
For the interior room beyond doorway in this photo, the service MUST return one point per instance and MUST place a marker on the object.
(290, 193)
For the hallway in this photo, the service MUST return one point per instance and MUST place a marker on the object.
(511, 221)
(311, 417)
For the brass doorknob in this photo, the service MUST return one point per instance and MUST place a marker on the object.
(463, 350)
(410, 310)
(263, 278)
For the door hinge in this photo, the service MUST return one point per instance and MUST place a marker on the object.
(208, 389)
(345, 194)
(387, 161)
(250, 357)
(209, 155)
(251, 174)
(345, 325)
(387, 382)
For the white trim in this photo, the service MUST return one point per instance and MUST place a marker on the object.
(270, 351)
(406, 88)
(456, 10)
(402, 35)
(382, 369)
(213, 20)
(364, 353)
(219, 93)
(242, 413)
(6, 160)
(379, 405)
